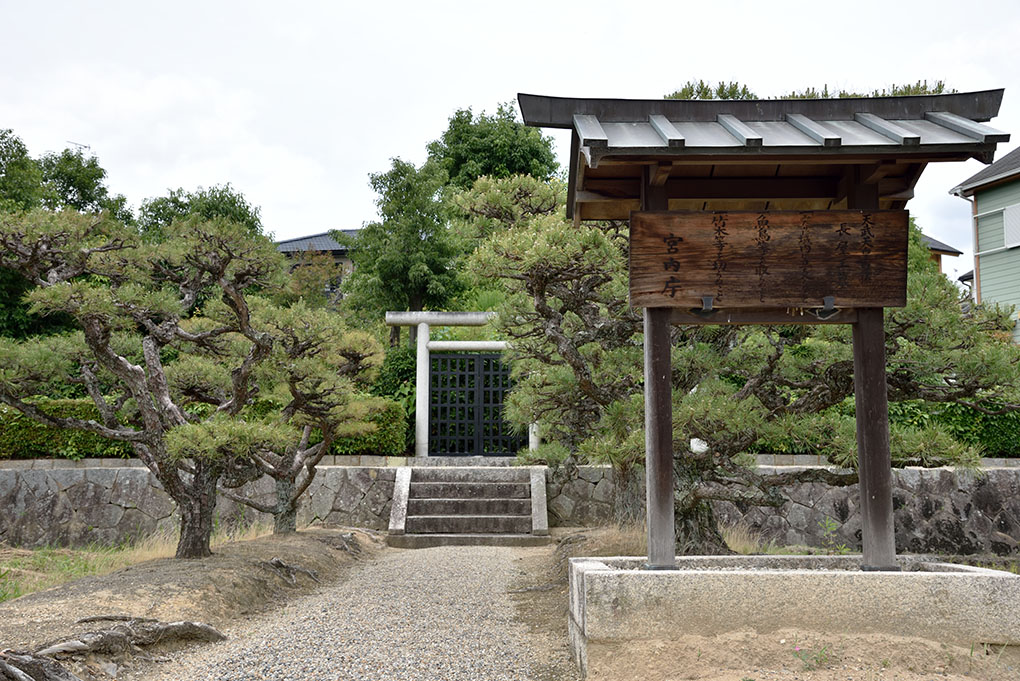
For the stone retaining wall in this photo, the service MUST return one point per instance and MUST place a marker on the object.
(74, 506)
(937, 510)
(108, 501)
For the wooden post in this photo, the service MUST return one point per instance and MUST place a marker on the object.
(658, 416)
(872, 408)
(874, 461)
(659, 440)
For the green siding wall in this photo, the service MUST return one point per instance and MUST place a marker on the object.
(1000, 272)
(998, 197)
(989, 235)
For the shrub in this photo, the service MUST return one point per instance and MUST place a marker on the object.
(396, 381)
(999, 435)
(386, 440)
(23, 438)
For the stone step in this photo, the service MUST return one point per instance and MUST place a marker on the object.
(425, 541)
(470, 474)
(471, 524)
(468, 507)
(469, 490)
(428, 461)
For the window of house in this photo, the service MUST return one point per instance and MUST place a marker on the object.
(1011, 225)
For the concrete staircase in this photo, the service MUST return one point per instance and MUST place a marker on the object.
(468, 505)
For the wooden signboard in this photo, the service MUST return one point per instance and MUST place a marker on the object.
(761, 260)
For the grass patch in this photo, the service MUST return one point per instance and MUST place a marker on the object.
(745, 541)
(24, 571)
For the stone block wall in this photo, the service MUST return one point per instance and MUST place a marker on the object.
(110, 503)
(937, 510)
(47, 502)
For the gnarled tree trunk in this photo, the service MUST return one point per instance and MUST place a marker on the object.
(628, 496)
(197, 513)
(285, 517)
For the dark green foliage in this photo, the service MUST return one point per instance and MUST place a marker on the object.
(386, 440)
(20, 176)
(396, 381)
(496, 146)
(15, 319)
(24, 438)
(721, 90)
(156, 215)
(998, 435)
(921, 87)
(72, 180)
(405, 261)
(397, 369)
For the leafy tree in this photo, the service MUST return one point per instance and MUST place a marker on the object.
(220, 201)
(72, 180)
(174, 353)
(20, 175)
(496, 146)
(406, 260)
(578, 361)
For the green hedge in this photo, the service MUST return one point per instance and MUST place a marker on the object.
(24, 438)
(999, 435)
(386, 440)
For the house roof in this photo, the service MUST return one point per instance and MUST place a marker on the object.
(1005, 168)
(759, 154)
(938, 246)
(316, 242)
(966, 276)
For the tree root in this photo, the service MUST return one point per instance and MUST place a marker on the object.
(126, 639)
(289, 572)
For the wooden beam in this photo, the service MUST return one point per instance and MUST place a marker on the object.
(965, 126)
(590, 131)
(816, 131)
(660, 173)
(723, 187)
(667, 131)
(897, 133)
(764, 317)
(744, 133)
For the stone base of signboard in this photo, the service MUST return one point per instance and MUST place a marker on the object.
(614, 601)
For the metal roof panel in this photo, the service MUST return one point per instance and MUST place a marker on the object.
(933, 133)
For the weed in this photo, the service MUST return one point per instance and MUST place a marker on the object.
(812, 659)
(829, 540)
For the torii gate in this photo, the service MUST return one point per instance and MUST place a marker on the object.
(677, 169)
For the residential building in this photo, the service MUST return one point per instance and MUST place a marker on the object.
(994, 194)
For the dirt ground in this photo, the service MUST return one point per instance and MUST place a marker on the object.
(541, 599)
(238, 581)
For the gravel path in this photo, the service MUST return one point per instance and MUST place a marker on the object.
(434, 614)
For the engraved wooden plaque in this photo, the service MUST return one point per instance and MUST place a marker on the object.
(770, 259)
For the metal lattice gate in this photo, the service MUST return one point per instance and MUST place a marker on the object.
(466, 406)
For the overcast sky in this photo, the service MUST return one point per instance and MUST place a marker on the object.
(295, 103)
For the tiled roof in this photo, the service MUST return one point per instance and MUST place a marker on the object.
(936, 245)
(316, 242)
